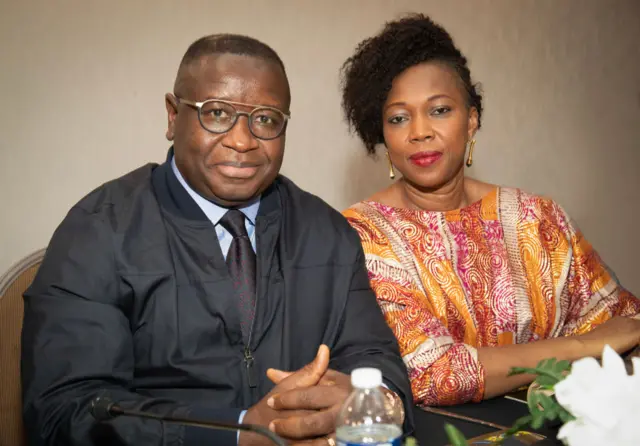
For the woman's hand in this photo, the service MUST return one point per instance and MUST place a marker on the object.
(621, 333)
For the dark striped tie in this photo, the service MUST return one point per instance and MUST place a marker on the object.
(241, 261)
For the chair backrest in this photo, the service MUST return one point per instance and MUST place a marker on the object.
(12, 285)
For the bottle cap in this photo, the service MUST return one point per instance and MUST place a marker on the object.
(366, 378)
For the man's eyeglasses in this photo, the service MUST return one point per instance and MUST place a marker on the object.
(217, 116)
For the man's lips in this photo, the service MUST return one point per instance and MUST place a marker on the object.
(238, 170)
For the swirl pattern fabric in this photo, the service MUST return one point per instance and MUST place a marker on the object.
(511, 268)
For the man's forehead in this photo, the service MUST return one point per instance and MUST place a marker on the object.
(230, 61)
(222, 74)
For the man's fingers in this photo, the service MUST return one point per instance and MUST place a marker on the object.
(312, 372)
(328, 379)
(309, 375)
(306, 398)
(319, 424)
(276, 375)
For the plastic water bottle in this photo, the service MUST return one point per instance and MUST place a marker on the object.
(367, 417)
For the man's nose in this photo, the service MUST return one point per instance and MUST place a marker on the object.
(239, 137)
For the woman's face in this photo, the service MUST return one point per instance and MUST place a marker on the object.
(427, 124)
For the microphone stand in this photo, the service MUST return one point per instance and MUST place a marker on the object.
(102, 409)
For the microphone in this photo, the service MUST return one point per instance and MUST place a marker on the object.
(103, 409)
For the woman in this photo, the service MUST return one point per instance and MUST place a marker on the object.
(473, 278)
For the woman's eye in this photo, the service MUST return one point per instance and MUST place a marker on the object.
(397, 119)
(440, 111)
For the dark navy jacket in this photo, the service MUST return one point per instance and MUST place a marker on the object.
(134, 301)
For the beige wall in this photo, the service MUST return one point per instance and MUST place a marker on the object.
(82, 84)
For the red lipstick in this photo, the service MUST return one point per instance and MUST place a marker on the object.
(424, 159)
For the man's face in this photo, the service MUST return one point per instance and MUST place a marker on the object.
(235, 167)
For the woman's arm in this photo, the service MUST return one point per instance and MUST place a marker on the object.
(621, 333)
(498, 361)
(591, 320)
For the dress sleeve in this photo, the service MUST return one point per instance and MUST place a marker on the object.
(441, 370)
(595, 295)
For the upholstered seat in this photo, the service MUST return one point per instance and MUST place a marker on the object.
(12, 285)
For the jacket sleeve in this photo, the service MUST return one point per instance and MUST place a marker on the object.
(77, 344)
(365, 340)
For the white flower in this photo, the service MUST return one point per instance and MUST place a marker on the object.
(605, 401)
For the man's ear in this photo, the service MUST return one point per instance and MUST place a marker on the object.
(171, 104)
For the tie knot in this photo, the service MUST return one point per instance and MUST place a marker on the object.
(233, 221)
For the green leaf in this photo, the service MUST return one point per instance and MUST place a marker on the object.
(455, 436)
(546, 381)
(521, 370)
(554, 367)
(410, 441)
(548, 369)
(563, 366)
(532, 401)
(549, 405)
(519, 424)
(537, 421)
(548, 373)
(564, 415)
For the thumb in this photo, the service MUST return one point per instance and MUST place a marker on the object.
(307, 376)
(276, 375)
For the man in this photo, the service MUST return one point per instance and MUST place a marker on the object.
(204, 286)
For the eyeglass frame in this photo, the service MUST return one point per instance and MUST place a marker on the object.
(198, 106)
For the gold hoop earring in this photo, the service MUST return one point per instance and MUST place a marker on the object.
(472, 144)
(392, 173)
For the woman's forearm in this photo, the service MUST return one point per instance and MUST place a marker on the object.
(498, 361)
(620, 333)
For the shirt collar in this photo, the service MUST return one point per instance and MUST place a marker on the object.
(214, 212)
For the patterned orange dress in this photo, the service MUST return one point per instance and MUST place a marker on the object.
(511, 268)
